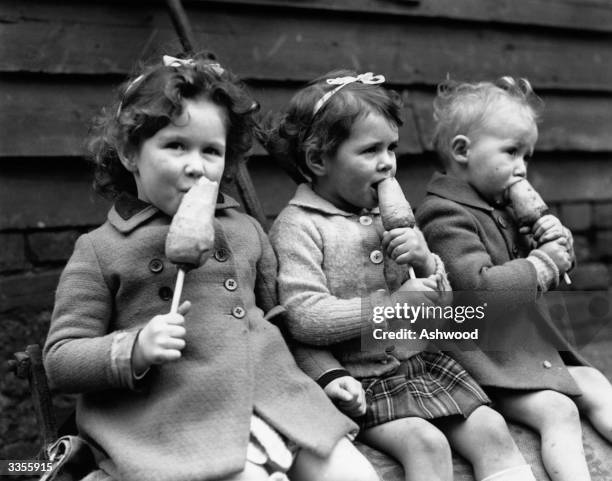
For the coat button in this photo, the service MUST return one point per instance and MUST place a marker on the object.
(502, 222)
(156, 266)
(238, 312)
(221, 255)
(547, 364)
(165, 293)
(515, 250)
(365, 220)
(230, 284)
(376, 257)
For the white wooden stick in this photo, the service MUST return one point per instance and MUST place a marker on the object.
(411, 272)
(178, 289)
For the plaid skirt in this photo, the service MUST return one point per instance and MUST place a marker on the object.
(429, 385)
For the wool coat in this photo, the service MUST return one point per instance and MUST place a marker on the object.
(186, 420)
(332, 273)
(486, 257)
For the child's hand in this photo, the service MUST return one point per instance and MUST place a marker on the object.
(422, 284)
(557, 251)
(429, 287)
(570, 244)
(406, 245)
(161, 340)
(348, 394)
(547, 228)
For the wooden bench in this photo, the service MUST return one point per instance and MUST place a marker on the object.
(598, 451)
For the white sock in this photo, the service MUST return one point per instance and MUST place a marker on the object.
(518, 473)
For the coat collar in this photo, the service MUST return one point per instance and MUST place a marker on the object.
(457, 190)
(128, 212)
(309, 199)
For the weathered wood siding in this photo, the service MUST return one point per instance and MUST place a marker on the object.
(60, 60)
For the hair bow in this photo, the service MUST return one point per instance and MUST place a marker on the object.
(170, 61)
(367, 78)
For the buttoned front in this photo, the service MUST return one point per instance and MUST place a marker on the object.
(376, 256)
(331, 273)
(221, 254)
(165, 293)
(488, 260)
(230, 284)
(201, 403)
(156, 265)
(365, 220)
(502, 222)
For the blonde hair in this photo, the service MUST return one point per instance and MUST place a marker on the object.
(462, 107)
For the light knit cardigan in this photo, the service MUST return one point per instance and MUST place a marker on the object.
(331, 275)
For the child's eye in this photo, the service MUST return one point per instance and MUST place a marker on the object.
(393, 147)
(175, 146)
(212, 151)
(370, 150)
(512, 151)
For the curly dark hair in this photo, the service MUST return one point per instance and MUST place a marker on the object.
(301, 132)
(153, 99)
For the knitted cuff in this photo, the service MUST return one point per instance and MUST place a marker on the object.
(440, 273)
(121, 357)
(329, 376)
(546, 270)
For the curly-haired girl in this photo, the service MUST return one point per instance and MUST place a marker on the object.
(210, 392)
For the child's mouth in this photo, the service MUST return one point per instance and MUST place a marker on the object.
(374, 189)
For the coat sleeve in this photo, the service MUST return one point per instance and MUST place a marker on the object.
(80, 354)
(267, 269)
(453, 233)
(315, 315)
(315, 362)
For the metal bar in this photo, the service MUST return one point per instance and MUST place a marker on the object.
(181, 24)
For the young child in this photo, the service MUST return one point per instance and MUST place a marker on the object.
(341, 132)
(485, 135)
(211, 392)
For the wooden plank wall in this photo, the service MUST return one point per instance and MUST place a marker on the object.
(60, 60)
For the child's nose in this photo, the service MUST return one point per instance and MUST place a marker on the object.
(521, 168)
(194, 166)
(386, 161)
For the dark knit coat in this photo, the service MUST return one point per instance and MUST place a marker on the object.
(189, 419)
(485, 255)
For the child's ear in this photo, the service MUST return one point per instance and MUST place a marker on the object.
(128, 161)
(460, 144)
(317, 164)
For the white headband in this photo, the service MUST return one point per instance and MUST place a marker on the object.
(365, 78)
